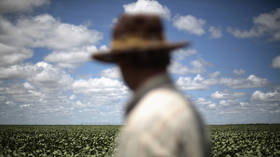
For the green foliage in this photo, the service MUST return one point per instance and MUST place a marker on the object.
(245, 140)
(57, 140)
(33, 141)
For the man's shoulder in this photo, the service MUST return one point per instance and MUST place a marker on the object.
(159, 100)
(160, 105)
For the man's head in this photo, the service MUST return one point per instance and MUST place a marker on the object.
(139, 48)
(136, 69)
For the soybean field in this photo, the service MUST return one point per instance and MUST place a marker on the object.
(99, 141)
(245, 140)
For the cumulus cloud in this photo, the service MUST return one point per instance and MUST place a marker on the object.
(100, 91)
(45, 31)
(227, 95)
(187, 83)
(40, 73)
(266, 24)
(190, 24)
(203, 101)
(196, 66)
(251, 81)
(45, 93)
(215, 32)
(70, 43)
(276, 62)
(113, 73)
(214, 74)
(271, 96)
(229, 102)
(10, 55)
(8, 6)
(147, 6)
(265, 102)
(239, 71)
(98, 86)
(72, 97)
(181, 54)
(16, 72)
(71, 58)
(201, 83)
(27, 85)
(48, 76)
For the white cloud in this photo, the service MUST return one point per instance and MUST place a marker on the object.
(147, 6)
(115, 20)
(200, 83)
(39, 93)
(203, 101)
(25, 105)
(41, 74)
(71, 58)
(276, 62)
(227, 95)
(178, 68)
(244, 104)
(46, 31)
(229, 102)
(214, 74)
(251, 81)
(181, 54)
(27, 85)
(10, 55)
(215, 32)
(8, 6)
(271, 96)
(16, 72)
(189, 24)
(239, 71)
(44, 94)
(113, 73)
(243, 34)
(44, 86)
(264, 102)
(73, 97)
(196, 67)
(212, 105)
(187, 83)
(266, 24)
(70, 43)
(100, 91)
(100, 86)
(49, 77)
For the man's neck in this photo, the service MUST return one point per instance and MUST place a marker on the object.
(145, 76)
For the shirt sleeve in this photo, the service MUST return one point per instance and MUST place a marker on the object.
(193, 139)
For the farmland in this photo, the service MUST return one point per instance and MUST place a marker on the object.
(228, 140)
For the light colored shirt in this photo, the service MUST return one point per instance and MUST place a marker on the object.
(160, 121)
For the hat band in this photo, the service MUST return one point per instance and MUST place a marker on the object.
(134, 42)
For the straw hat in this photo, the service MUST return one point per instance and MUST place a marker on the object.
(137, 33)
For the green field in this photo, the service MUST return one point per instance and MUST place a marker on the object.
(227, 140)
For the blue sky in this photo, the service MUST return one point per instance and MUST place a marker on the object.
(230, 72)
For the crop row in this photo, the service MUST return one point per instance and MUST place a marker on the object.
(229, 140)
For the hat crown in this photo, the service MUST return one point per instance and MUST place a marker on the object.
(144, 26)
(137, 33)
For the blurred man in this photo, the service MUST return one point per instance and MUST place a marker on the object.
(160, 121)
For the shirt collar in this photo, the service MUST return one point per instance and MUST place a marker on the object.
(160, 80)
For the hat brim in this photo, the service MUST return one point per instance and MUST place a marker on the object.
(110, 56)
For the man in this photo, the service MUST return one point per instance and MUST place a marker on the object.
(159, 120)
